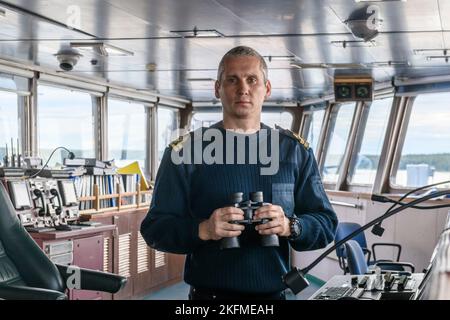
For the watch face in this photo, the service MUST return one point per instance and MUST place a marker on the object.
(295, 228)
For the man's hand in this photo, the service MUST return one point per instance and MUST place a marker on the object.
(279, 223)
(218, 225)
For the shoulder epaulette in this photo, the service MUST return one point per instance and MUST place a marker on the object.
(177, 144)
(294, 135)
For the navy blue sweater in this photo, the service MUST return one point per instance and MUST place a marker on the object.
(187, 194)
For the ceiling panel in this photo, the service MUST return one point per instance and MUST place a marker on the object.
(34, 30)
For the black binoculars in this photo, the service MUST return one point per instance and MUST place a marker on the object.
(249, 207)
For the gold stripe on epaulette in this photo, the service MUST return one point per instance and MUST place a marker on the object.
(301, 140)
(177, 144)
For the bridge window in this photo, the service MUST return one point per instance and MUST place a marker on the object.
(127, 132)
(340, 123)
(13, 97)
(425, 156)
(313, 124)
(9, 122)
(365, 161)
(167, 128)
(65, 118)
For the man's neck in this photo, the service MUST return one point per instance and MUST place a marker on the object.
(241, 125)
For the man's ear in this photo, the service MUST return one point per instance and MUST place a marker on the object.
(216, 89)
(268, 89)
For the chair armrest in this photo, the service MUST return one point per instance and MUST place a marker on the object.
(29, 293)
(401, 264)
(387, 244)
(95, 280)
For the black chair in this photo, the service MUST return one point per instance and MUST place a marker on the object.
(344, 229)
(27, 273)
(357, 263)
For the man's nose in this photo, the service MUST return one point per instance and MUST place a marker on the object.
(243, 88)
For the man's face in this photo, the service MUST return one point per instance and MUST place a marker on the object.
(242, 89)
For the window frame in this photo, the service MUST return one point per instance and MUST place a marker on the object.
(306, 124)
(23, 106)
(149, 108)
(331, 122)
(361, 130)
(404, 119)
(95, 105)
(177, 119)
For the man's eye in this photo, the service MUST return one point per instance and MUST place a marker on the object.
(252, 80)
(231, 80)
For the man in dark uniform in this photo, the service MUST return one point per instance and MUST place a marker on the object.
(191, 210)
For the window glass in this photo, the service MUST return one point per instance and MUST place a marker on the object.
(65, 119)
(367, 159)
(127, 132)
(340, 128)
(313, 133)
(425, 157)
(282, 119)
(9, 123)
(167, 127)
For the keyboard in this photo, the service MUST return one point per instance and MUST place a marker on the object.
(334, 293)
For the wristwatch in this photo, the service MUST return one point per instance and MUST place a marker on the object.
(295, 228)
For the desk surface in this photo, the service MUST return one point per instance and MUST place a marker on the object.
(53, 235)
(370, 293)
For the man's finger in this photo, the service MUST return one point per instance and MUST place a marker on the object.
(231, 210)
(233, 227)
(268, 225)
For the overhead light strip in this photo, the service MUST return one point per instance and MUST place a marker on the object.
(101, 48)
(442, 51)
(282, 58)
(201, 79)
(354, 43)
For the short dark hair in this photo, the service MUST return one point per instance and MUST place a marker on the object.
(242, 51)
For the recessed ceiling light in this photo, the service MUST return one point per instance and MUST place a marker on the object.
(101, 48)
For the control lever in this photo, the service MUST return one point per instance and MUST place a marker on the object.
(363, 282)
(402, 282)
(388, 281)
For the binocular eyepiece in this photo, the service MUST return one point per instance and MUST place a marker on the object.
(256, 200)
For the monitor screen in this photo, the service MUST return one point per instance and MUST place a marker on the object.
(20, 196)
(69, 195)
